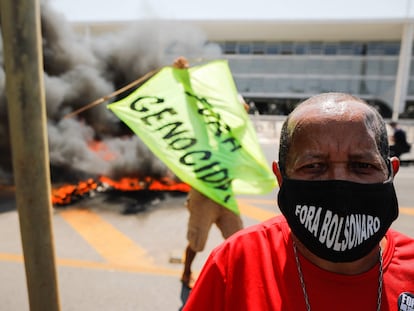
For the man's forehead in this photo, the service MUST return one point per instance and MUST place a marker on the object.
(331, 109)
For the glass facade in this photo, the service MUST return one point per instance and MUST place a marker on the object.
(272, 71)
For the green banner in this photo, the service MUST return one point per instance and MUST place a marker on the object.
(193, 121)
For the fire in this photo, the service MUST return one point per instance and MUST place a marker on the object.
(148, 183)
(68, 194)
(100, 148)
(71, 193)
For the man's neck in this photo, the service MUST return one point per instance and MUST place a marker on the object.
(349, 268)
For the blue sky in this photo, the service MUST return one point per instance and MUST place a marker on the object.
(114, 10)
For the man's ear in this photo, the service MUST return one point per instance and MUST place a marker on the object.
(276, 171)
(395, 165)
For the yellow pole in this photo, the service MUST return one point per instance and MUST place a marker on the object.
(20, 25)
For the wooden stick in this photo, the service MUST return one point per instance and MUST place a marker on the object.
(117, 92)
(113, 94)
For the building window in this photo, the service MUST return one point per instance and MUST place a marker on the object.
(330, 49)
(230, 47)
(286, 48)
(315, 48)
(350, 48)
(392, 49)
(244, 48)
(272, 48)
(300, 48)
(258, 48)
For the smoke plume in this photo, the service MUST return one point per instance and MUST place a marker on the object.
(82, 67)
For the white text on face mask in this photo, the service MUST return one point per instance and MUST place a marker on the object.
(337, 232)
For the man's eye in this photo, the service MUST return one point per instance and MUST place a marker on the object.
(361, 166)
(314, 167)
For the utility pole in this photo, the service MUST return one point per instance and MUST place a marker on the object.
(20, 26)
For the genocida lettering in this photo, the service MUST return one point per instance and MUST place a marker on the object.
(162, 118)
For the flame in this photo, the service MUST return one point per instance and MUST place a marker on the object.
(68, 194)
(102, 150)
(147, 183)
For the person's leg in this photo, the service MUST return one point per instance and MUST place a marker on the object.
(188, 261)
(201, 218)
(229, 222)
(186, 278)
(202, 215)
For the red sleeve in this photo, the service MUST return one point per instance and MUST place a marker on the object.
(209, 289)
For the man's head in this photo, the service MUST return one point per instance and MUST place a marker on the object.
(334, 136)
(334, 169)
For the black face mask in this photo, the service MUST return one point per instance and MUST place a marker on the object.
(340, 221)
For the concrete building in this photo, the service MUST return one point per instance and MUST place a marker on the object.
(286, 51)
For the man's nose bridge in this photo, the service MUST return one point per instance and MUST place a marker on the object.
(338, 170)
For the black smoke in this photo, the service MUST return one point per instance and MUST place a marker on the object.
(80, 68)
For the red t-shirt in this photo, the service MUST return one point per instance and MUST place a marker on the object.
(255, 269)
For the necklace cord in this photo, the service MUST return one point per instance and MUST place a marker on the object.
(302, 280)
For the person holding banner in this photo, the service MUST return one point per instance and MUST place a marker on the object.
(204, 212)
(332, 248)
(191, 118)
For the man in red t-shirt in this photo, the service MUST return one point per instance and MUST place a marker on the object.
(332, 249)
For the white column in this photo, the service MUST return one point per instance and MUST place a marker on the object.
(403, 73)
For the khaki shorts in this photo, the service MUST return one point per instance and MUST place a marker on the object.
(203, 213)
